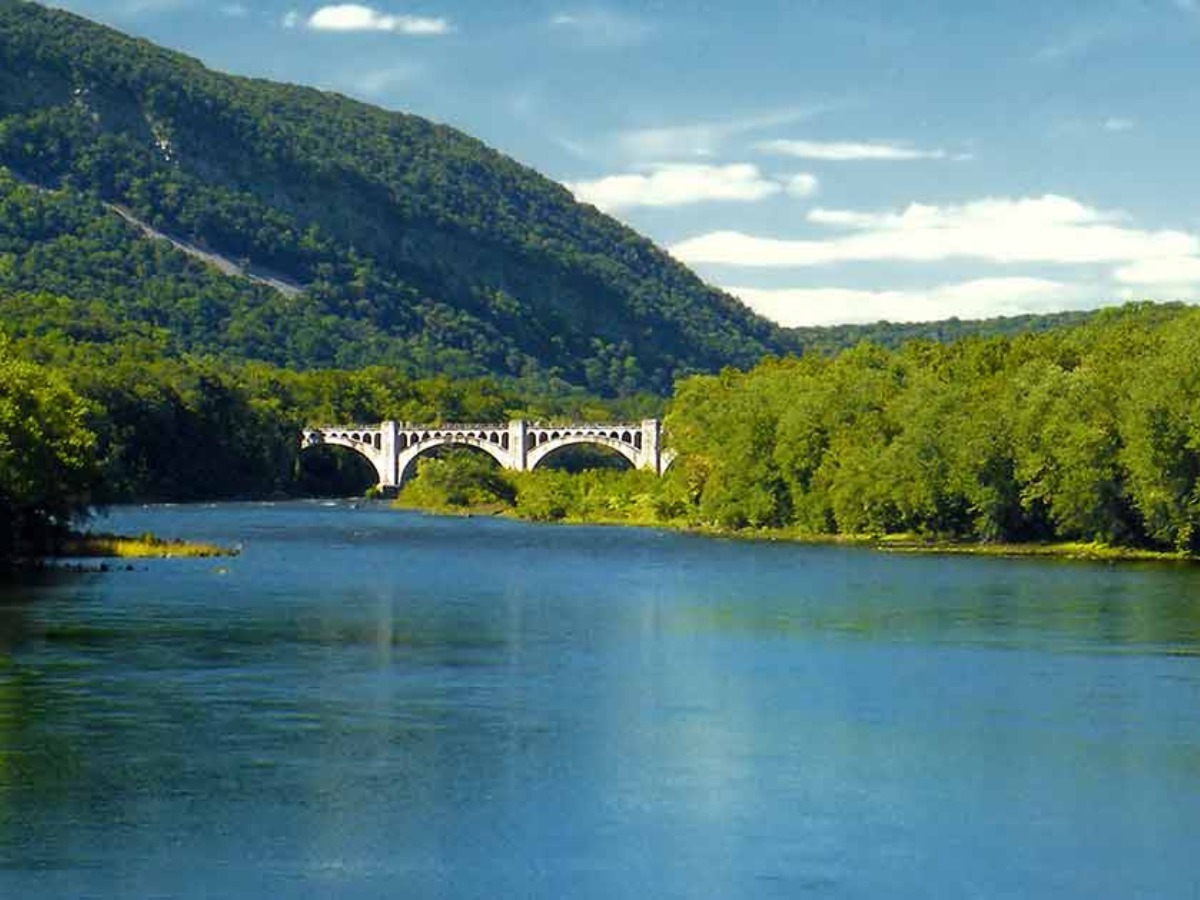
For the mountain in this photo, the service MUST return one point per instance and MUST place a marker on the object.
(268, 221)
(146, 197)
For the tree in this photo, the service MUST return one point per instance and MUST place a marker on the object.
(46, 456)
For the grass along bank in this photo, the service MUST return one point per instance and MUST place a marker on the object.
(146, 546)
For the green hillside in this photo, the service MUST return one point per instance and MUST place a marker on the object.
(242, 219)
(411, 243)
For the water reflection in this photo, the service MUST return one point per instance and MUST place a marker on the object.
(1079, 607)
(375, 703)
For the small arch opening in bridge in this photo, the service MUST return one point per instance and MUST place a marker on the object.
(328, 470)
(576, 458)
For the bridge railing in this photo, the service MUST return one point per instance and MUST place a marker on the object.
(455, 426)
(589, 426)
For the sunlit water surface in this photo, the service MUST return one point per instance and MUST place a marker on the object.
(369, 703)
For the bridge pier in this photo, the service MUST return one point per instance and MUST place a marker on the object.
(518, 444)
(389, 455)
(651, 456)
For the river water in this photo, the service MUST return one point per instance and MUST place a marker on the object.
(371, 703)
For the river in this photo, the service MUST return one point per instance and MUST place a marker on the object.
(369, 703)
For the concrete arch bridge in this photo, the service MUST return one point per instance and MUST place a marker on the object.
(393, 448)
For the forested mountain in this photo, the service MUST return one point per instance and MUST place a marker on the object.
(344, 235)
(413, 242)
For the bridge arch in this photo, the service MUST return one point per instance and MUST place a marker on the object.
(406, 464)
(366, 446)
(539, 453)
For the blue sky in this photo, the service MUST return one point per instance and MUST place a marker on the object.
(826, 161)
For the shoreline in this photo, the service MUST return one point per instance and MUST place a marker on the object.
(79, 548)
(1088, 551)
(88, 545)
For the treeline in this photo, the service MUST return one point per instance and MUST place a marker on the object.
(1087, 433)
(85, 424)
(1090, 433)
(829, 339)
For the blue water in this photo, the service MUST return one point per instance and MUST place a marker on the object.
(369, 703)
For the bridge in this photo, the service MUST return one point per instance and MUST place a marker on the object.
(393, 448)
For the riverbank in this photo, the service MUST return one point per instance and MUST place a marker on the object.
(888, 543)
(915, 544)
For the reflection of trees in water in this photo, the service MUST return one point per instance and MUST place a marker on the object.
(40, 761)
(264, 714)
(1123, 613)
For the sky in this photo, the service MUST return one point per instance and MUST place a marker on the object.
(827, 161)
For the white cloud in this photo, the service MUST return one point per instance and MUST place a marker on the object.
(1047, 229)
(1169, 271)
(291, 18)
(234, 10)
(352, 17)
(976, 299)
(845, 151)
(1117, 123)
(802, 185)
(602, 27)
(676, 185)
(701, 138)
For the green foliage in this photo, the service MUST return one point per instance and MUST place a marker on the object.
(46, 462)
(1083, 434)
(1159, 418)
(457, 479)
(830, 339)
(198, 428)
(465, 480)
